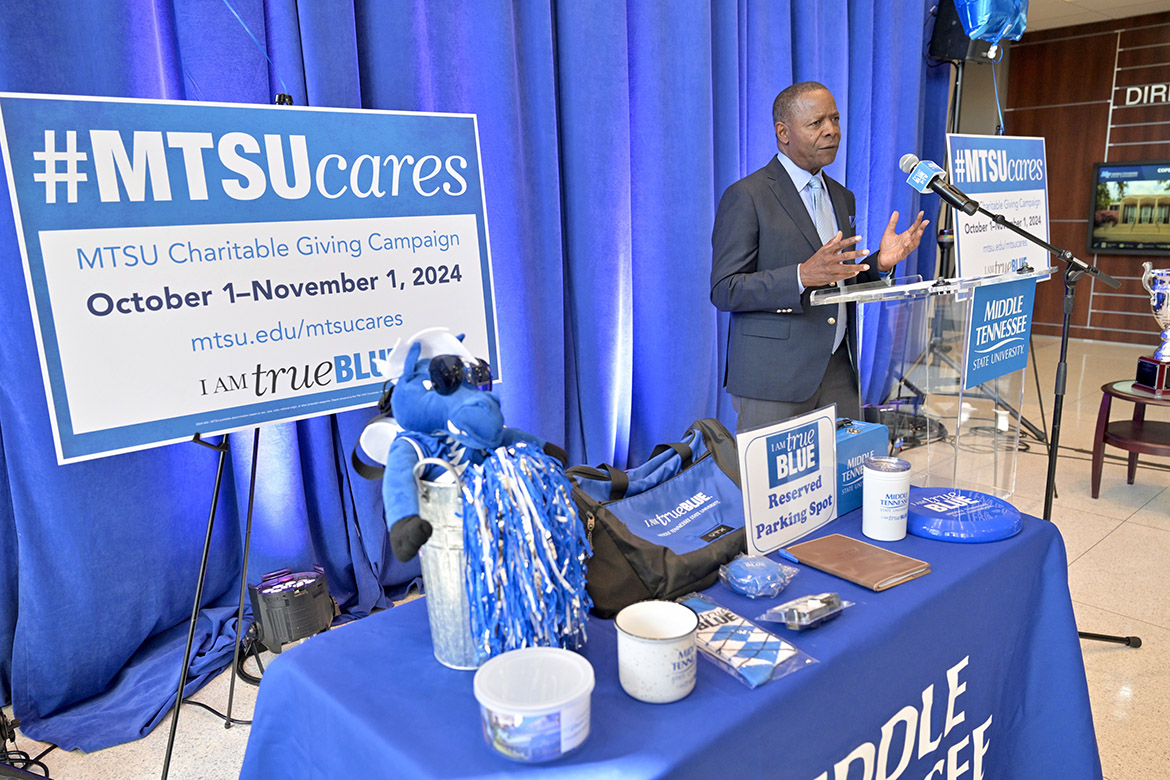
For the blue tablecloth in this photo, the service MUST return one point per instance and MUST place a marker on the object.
(972, 671)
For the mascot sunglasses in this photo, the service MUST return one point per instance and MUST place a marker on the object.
(449, 372)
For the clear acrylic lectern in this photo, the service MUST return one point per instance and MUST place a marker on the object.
(916, 384)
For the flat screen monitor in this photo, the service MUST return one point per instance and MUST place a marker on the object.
(1131, 208)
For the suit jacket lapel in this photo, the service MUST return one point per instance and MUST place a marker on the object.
(837, 193)
(785, 191)
(841, 208)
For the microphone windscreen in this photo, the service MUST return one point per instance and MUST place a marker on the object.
(908, 162)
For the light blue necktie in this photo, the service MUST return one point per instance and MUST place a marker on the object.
(823, 220)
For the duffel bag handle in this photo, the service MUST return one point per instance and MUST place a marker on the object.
(684, 451)
(619, 482)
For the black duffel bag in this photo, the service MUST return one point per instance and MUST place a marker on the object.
(662, 529)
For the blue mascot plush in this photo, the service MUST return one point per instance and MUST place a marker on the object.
(441, 407)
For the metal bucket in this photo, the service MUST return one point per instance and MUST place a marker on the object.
(444, 568)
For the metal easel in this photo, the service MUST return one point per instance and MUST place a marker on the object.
(282, 99)
(222, 449)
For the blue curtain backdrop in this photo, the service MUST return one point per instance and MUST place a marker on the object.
(608, 132)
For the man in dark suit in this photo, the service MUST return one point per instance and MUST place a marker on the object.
(780, 233)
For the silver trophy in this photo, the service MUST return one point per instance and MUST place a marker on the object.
(1157, 284)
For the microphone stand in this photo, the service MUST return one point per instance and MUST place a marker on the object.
(1074, 270)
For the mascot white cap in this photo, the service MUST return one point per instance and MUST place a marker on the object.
(379, 434)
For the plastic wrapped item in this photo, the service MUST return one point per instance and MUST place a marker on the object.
(736, 645)
(756, 577)
(993, 20)
(807, 611)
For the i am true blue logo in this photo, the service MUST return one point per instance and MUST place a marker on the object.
(792, 454)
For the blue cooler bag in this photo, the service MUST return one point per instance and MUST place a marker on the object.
(661, 529)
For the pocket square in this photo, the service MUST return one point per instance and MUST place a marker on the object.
(853, 220)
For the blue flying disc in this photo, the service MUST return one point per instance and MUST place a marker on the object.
(957, 515)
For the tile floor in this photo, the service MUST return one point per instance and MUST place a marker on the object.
(1118, 551)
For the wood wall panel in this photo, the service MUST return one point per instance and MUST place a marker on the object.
(1085, 332)
(1124, 308)
(1105, 298)
(1147, 55)
(1138, 153)
(1124, 267)
(1147, 134)
(1048, 67)
(1144, 31)
(1049, 305)
(1061, 87)
(1127, 115)
(1131, 327)
(1065, 150)
(1147, 74)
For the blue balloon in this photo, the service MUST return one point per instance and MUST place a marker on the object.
(993, 20)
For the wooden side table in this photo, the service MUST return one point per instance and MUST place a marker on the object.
(1136, 435)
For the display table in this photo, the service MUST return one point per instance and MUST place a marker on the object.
(972, 671)
(1134, 435)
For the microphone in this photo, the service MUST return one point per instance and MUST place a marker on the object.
(925, 175)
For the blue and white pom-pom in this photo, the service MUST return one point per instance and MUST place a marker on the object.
(526, 553)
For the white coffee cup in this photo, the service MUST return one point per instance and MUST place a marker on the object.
(656, 650)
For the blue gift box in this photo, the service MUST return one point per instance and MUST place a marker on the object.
(856, 441)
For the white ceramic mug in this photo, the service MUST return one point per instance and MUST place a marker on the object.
(656, 650)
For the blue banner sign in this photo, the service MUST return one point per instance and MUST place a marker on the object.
(1008, 175)
(203, 268)
(1001, 322)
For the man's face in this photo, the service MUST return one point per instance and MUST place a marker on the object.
(812, 133)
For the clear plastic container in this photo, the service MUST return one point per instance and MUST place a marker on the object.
(807, 611)
(534, 702)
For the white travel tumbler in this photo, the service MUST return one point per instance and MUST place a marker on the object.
(885, 498)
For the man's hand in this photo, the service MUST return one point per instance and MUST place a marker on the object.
(832, 263)
(895, 247)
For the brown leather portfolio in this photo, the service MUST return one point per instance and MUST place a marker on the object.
(852, 559)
